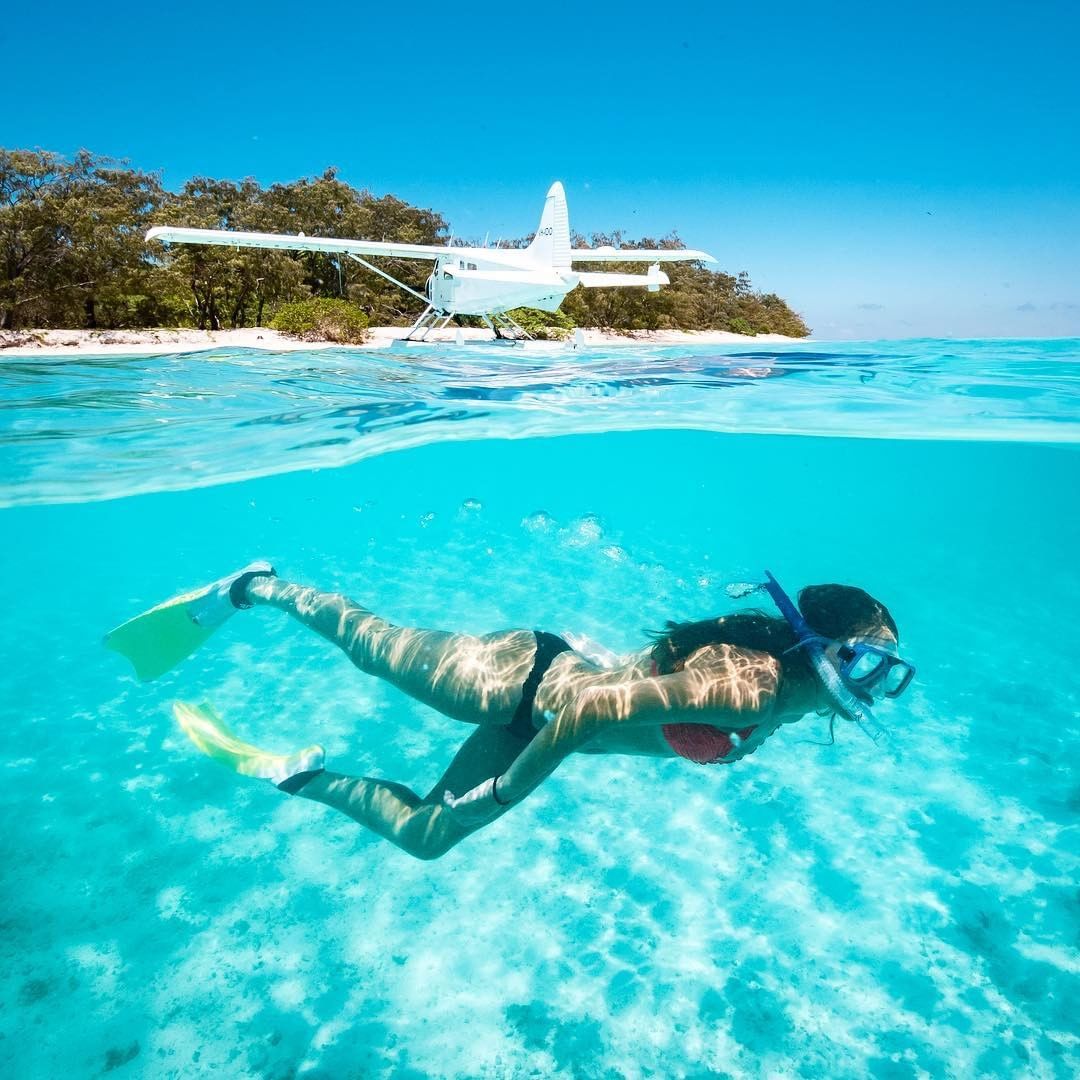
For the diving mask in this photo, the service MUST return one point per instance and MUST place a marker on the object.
(874, 670)
(860, 673)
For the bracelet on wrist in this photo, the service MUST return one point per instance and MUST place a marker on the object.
(495, 792)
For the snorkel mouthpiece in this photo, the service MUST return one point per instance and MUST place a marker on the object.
(846, 703)
(839, 694)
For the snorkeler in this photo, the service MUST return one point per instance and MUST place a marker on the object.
(711, 692)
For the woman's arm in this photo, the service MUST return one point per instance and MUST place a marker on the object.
(720, 686)
(555, 741)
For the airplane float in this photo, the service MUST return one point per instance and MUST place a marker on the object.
(482, 281)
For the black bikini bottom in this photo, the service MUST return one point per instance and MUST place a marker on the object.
(548, 646)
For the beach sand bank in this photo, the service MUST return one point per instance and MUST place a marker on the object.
(143, 342)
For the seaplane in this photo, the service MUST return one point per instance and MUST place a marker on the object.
(482, 281)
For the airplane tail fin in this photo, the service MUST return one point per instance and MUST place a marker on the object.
(551, 245)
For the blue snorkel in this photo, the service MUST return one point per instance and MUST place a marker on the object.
(842, 697)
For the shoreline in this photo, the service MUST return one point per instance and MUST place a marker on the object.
(183, 340)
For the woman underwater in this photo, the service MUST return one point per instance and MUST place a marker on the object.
(710, 691)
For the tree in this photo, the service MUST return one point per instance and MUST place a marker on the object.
(72, 253)
(71, 238)
(224, 285)
(696, 299)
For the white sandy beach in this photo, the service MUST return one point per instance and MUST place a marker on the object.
(143, 342)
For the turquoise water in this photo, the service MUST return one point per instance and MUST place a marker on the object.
(811, 911)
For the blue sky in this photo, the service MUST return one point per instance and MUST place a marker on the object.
(890, 172)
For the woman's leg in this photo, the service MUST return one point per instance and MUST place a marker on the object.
(421, 826)
(475, 679)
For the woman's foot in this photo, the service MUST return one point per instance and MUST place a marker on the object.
(210, 734)
(227, 595)
(158, 639)
(238, 594)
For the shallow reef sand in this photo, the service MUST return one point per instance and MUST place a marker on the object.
(813, 911)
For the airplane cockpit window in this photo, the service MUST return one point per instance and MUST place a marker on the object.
(447, 276)
(461, 264)
(472, 266)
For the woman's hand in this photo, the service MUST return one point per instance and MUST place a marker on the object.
(745, 747)
(475, 807)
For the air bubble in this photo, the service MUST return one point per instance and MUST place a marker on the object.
(737, 590)
(585, 531)
(472, 506)
(541, 521)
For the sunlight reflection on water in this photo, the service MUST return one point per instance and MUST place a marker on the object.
(81, 429)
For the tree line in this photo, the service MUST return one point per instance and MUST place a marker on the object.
(73, 255)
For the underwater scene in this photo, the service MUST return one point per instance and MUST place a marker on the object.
(901, 906)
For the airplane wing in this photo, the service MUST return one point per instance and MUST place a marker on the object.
(283, 242)
(610, 254)
(652, 280)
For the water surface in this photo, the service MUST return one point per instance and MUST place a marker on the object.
(813, 911)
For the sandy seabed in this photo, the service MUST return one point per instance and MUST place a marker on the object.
(143, 342)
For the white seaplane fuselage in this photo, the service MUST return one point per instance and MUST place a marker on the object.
(470, 285)
(482, 281)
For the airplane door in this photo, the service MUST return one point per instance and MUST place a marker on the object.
(442, 286)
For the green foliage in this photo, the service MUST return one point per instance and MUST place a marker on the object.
(322, 319)
(73, 254)
(71, 239)
(543, 325)
(696, 299)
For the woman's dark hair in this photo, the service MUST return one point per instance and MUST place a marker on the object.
(835, 611)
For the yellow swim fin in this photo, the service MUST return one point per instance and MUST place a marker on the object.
(209, 733)
(158, 639)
